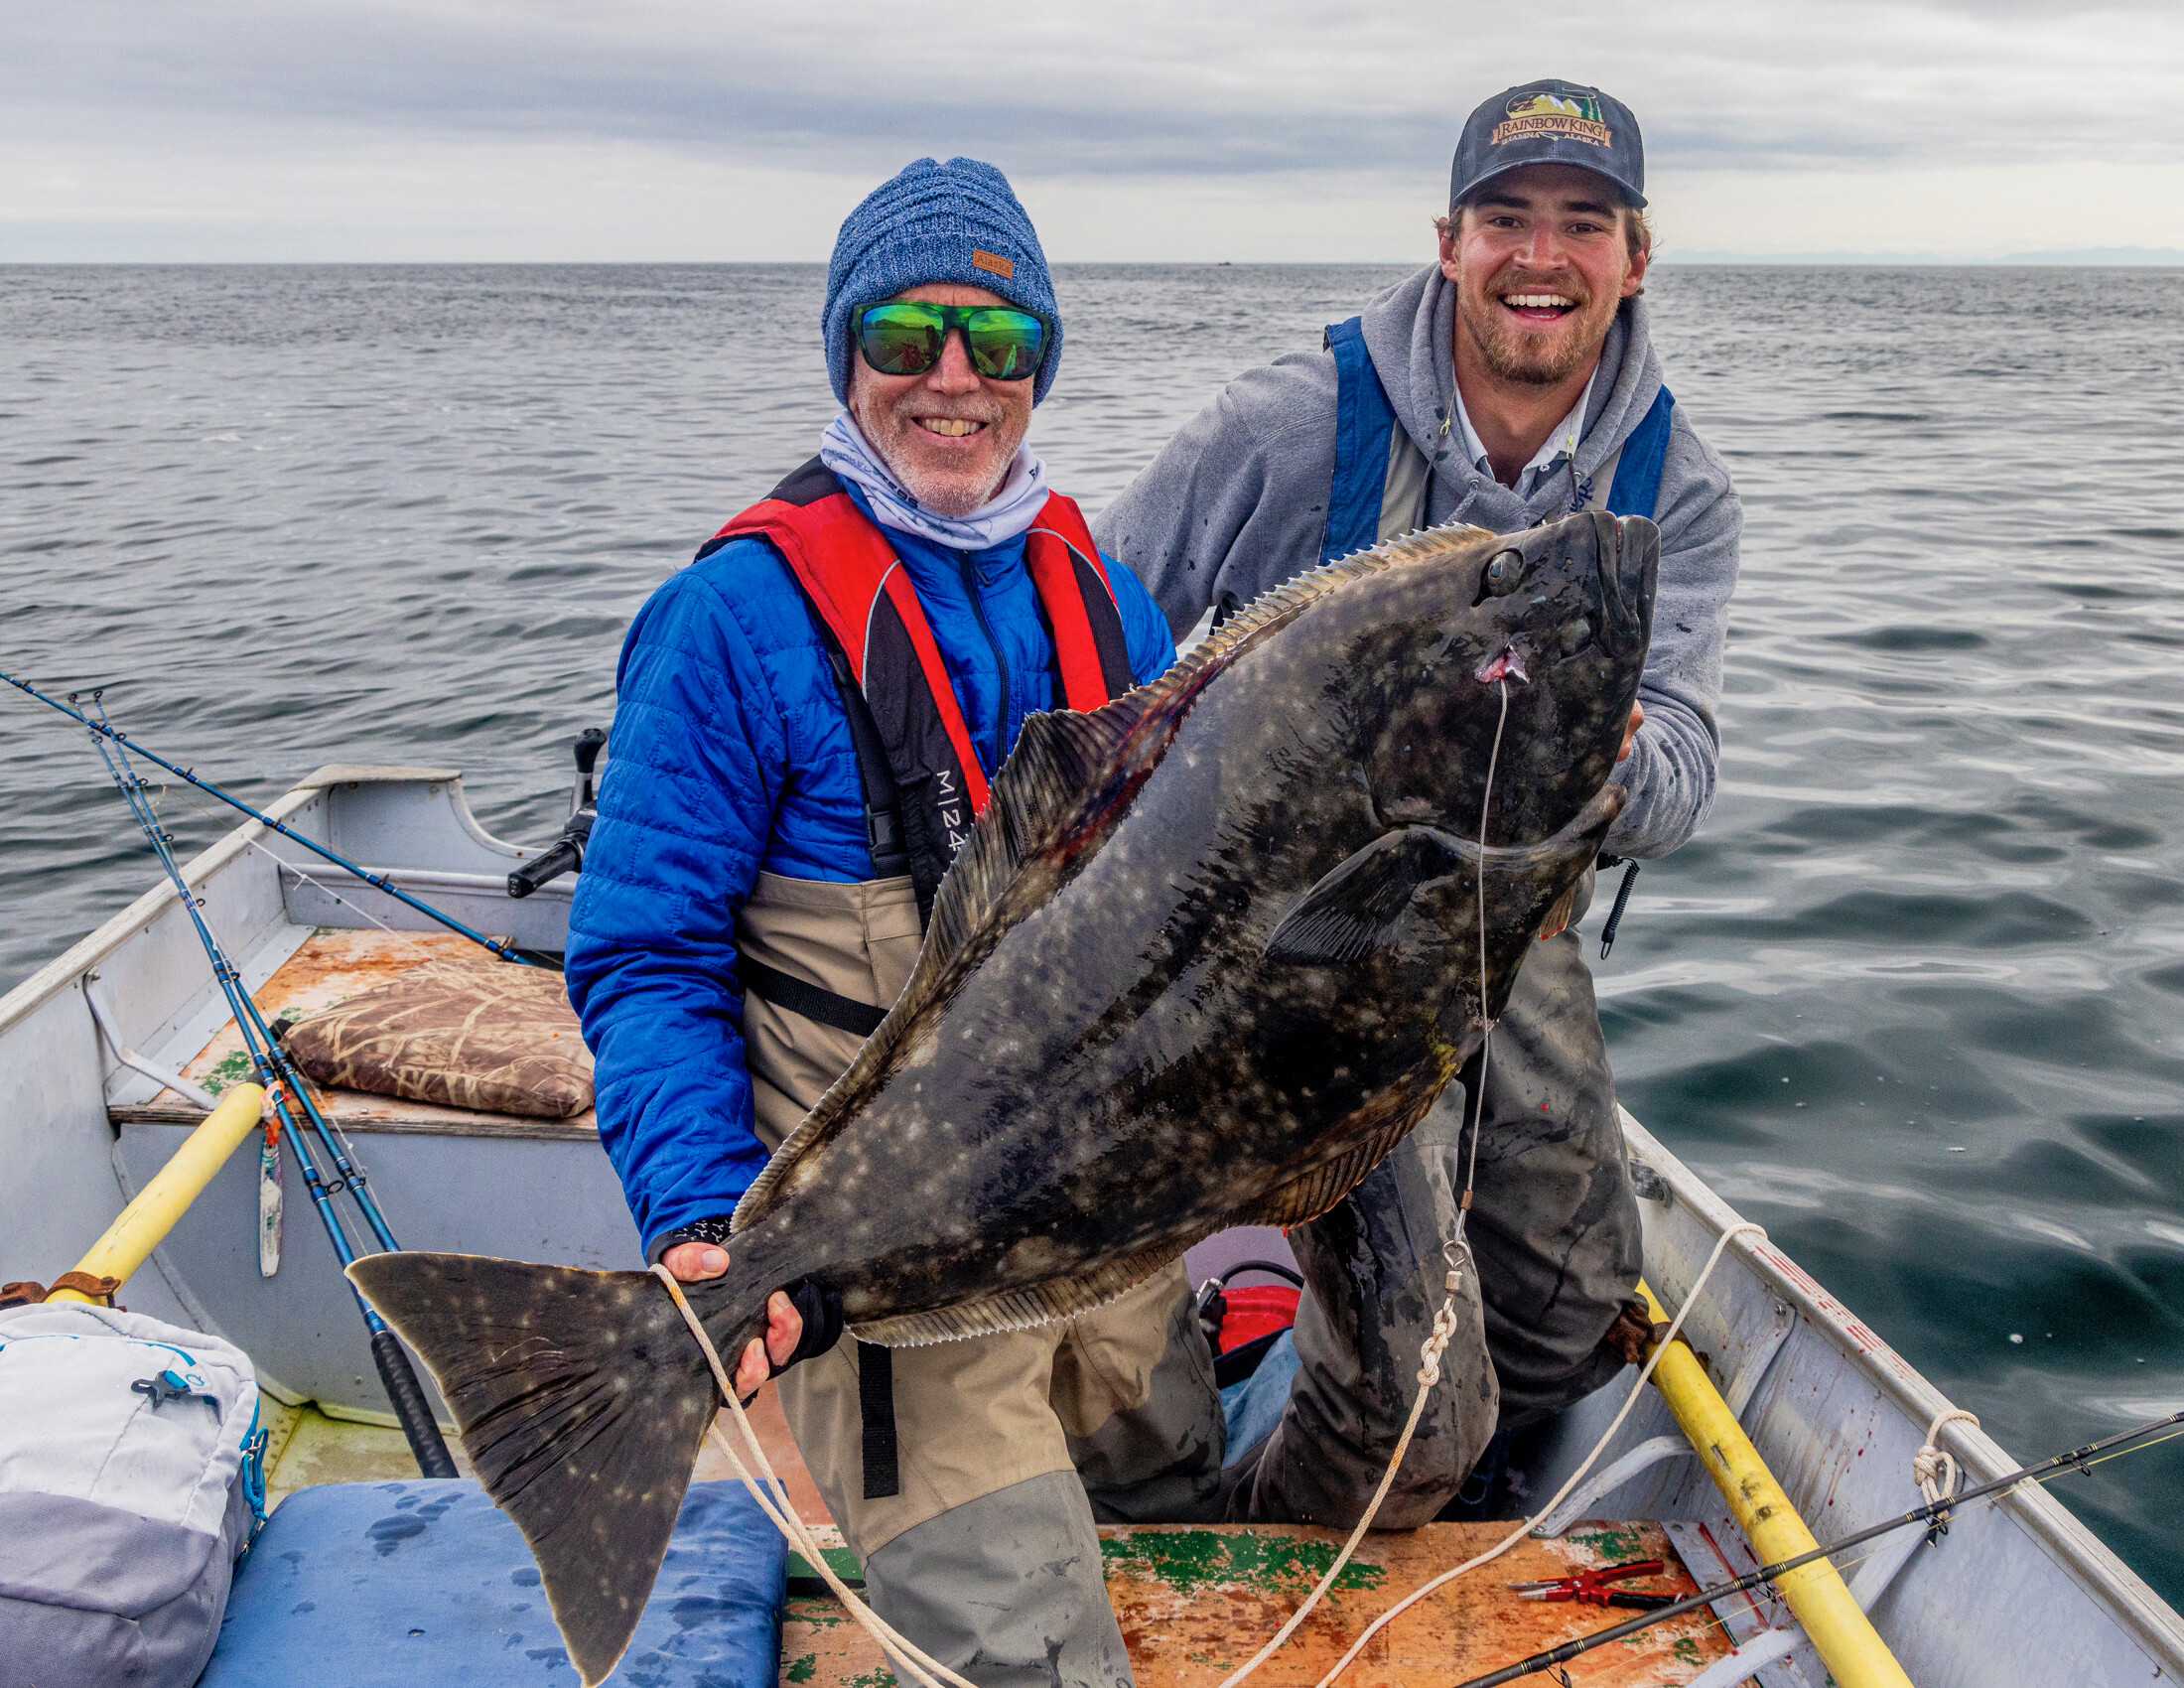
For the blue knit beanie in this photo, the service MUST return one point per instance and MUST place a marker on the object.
(957, 221)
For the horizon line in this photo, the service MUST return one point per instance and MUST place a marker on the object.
(2087, 258)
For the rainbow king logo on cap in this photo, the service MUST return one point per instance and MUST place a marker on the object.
(1543, 113)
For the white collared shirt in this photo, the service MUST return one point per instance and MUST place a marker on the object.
(1561, 444)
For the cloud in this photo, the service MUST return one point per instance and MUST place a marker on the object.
(1267, 108)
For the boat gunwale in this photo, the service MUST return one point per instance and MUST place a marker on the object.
(111, 935)
(2066, 1540)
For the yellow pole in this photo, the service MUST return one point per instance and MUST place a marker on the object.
(130, 1239)
(1856, 1655)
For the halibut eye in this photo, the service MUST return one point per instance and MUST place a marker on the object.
(1503, 574)
(1575, 634)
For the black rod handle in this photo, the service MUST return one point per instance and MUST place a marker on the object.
(539, 869)
(410, 1407)
(566, 855)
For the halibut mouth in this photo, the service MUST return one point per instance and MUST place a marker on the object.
(1509, 665)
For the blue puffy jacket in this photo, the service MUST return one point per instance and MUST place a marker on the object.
(732, 755)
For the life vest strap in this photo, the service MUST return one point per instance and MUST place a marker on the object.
(922, 781)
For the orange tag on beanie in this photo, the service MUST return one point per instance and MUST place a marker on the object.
(993, 263)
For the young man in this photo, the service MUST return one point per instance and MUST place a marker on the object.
(1509, 383)
(807, 719)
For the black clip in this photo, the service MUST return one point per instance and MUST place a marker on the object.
(1622, 902)
(171, 1386)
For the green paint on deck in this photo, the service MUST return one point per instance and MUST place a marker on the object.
(1187, 1561)
(1685, 1650)
(1613, 1545)
(803, 1669)
(228, 1069)
(877, 1679)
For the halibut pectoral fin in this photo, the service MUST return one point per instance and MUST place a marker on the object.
(1354, 910)
(1017, 1310)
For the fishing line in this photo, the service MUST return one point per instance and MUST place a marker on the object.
(1486, 1041)
(924, 1670)
(1993, 1494)
(1463, 1209)
(1444, 1320)
(104, 731)
(198, 811)
(407, 940)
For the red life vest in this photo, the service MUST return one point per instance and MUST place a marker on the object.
(864, 600)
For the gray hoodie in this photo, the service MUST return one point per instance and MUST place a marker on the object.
(1237, 503)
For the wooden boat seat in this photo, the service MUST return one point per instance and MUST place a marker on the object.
(331, 966)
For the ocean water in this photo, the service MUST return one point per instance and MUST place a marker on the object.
(1914, 999)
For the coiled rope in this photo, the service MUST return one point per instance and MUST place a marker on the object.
(1933, 1469)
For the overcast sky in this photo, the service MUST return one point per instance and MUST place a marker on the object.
(1273, 130)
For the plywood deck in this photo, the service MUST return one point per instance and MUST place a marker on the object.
(331, 966)
(1195, 1602)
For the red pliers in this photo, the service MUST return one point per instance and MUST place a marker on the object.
(1590, 1588)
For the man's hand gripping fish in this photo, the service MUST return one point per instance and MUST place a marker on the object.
(1210, 954)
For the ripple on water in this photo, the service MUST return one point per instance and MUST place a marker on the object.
(292, 515)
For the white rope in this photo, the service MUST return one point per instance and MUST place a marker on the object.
(921, 1669)
(1507, 1542)
(1428, 1374)
(1931, 1468)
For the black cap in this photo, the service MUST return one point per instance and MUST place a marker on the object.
(1549, 122)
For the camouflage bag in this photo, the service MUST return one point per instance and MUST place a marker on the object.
(495, 1038)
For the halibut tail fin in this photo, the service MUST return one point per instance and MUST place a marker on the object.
(582, 1398)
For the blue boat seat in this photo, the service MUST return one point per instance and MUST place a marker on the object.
(388, 1585)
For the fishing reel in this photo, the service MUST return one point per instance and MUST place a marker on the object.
(566, 855)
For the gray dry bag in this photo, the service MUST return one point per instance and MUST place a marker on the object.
(130, 1480)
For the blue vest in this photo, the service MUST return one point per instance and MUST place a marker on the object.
(1364, 427)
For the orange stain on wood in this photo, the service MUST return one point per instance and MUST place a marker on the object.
(1194, 1602)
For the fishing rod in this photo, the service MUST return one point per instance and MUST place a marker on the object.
(104, 732)
(1934, 1511)
(282, 1082)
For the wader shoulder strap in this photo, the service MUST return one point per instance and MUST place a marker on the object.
(1636, 489)
(1364, 425)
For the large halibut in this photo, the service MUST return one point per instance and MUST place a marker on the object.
(1212, 950)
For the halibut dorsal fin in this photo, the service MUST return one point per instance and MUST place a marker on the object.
(1018, 1310)
(1059, 757)
(1301, 1199)
(1308, 1197)
(1070, 774)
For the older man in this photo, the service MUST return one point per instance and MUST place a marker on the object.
(1508, 384)
(808, 718)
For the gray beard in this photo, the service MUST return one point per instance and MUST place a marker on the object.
(941, 499)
